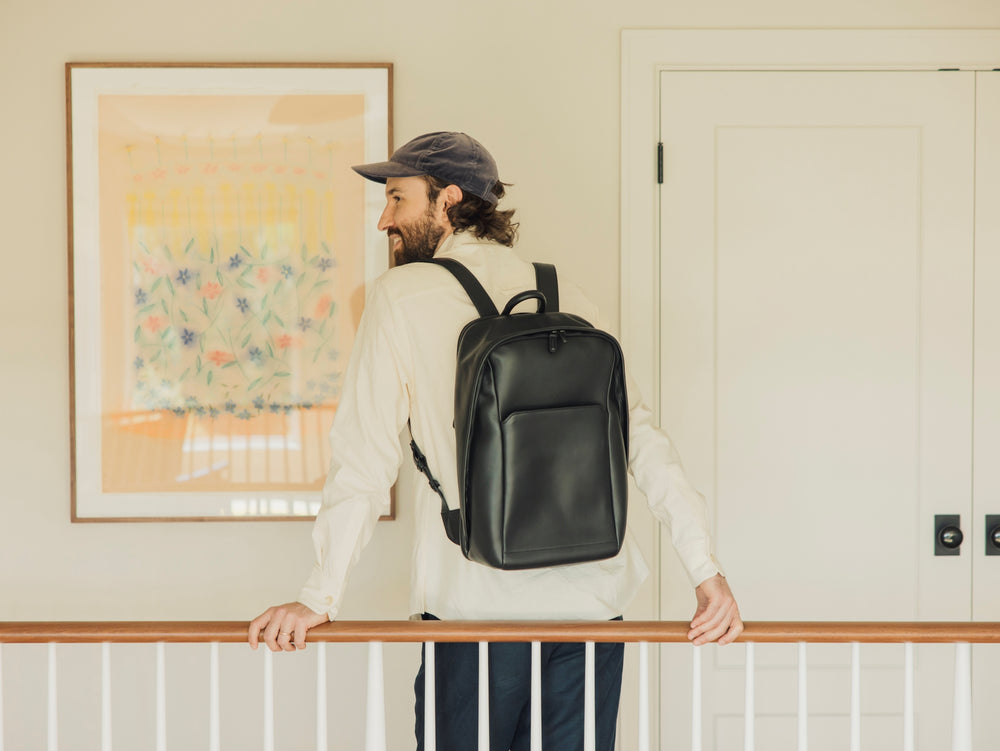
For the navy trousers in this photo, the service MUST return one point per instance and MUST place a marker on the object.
(457, 696)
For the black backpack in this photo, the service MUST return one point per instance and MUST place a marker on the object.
(541, 422)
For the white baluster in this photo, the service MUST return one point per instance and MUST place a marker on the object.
(214, 723)
(268, 700)
(961, 739)
(53, 739)
(375, 710)
(803, 699)
(536, 696)
(589, 735)
(749, 710)
(696, 700)
(430, 728)
(1, 697)
(106, 696)
(161, 697)
(484, 696)
(855, 696)
(908, 697)
(643, 696)
(321, 709)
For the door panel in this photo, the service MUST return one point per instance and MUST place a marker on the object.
(986, 487)
(816, 325)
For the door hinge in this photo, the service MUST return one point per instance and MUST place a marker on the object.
(659, 163)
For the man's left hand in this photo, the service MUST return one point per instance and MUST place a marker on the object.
(717, 617)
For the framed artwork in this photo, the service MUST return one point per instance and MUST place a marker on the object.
(219, 252)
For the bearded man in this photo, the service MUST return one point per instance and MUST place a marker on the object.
(442, 196)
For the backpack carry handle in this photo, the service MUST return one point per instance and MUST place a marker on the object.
(531, 294)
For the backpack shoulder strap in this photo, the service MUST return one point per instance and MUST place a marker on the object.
(482, 301)
(548, 285)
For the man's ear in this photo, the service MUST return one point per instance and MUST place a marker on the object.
(451, 196)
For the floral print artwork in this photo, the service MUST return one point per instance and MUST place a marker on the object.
(232, 271)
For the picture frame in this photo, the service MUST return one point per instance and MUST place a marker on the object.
(220, 249)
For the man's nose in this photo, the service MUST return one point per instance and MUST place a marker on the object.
(385, 221)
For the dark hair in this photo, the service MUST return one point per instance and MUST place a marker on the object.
(475, 214)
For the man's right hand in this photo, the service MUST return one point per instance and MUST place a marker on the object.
(283, 628)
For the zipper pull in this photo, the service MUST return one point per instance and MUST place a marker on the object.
(554, 338)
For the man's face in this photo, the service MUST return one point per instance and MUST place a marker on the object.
(414, 224)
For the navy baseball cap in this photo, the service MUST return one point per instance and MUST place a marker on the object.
(456, 158)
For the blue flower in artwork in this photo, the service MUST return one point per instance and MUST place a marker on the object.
(183, 276)
(230, 406)
(140, 297)
(259, 402)
(188, 337)
(191, 401)
(244, 415)
(199, 410)
(179, 411)
(242, 304)
(305, 324)
(255, 355)
(274, 407)
(213, 412)
(288, 408)
(324, 263)
(286, 271)
(139, 363)
(307, 405)
(235, 261)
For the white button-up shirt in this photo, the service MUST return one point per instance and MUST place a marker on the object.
(403, 365)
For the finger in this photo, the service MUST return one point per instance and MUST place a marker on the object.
(713, 626)
(256, 627)
(735, 629)
(300, 634)
(710, 611)
(271, 635)
(285, 638)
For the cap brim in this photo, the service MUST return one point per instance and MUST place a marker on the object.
(379, 172)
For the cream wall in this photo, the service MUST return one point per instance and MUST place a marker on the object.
(536, 81)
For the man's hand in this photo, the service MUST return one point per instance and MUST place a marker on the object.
(278, 625)
(717, 616)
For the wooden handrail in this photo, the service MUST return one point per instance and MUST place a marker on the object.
(34, 632)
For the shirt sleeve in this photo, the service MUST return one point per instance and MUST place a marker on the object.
(656, 467)
(365, 454)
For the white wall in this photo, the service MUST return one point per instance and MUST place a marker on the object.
(537, 81)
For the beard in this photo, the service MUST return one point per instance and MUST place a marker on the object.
(417, 240)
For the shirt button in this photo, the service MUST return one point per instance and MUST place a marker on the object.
(328, 600)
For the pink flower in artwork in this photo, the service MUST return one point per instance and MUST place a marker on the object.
(210, 169)
(279, 169)
(259, 167)
(159, 174)
(219, 357)
(211, 290)
(285, 341)
(183, 169)
(235, 168)
(320, 175)
(299, 171)
(323, 306)
(264, 274)
(137, 178)
(150, 266)
(154, 323)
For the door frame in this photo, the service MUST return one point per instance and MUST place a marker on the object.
(645, 53)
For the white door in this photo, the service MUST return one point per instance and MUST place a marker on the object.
(986, 435)
(817, 359)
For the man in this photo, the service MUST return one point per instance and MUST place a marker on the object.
(442, 195)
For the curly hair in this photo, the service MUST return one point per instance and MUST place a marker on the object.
(481, 217)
